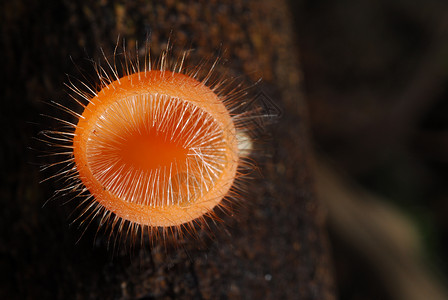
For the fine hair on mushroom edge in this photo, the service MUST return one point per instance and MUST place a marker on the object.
(153, 148)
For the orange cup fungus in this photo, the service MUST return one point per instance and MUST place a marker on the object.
(155, 148)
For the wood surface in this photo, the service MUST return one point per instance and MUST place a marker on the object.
(274, 247)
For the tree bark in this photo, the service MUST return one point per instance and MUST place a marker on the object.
(275, 249)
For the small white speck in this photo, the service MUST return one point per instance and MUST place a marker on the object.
(268, 277)
(244, 143)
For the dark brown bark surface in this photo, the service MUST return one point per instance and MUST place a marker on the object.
(275, 249)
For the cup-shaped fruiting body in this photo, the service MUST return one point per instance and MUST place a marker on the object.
(156, 148)
(154, 151)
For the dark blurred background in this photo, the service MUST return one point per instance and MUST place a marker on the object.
(376, 75)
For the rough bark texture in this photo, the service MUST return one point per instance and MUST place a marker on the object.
(275, 249)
